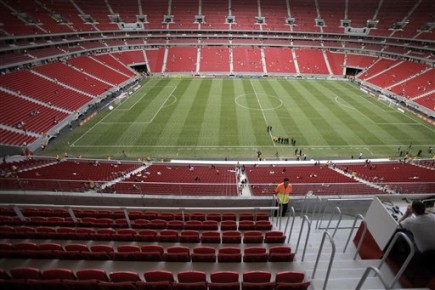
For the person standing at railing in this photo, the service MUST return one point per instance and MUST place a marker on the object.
(282, 192)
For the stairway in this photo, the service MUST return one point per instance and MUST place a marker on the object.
(345, 271)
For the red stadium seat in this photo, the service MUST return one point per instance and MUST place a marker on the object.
(231, 237)
(191, 280)
(26, 273)
(274, 237)
(177, 254)
(257, 280)
(147, 235)
(59, 273)
(280, 254)
(229, 254)
(253, 237)
(228, 225)
(224, 280)
(211, 237)
(189, 236)
(152, 252)
(204, 254)
(158, 280)
(291, 281)
(124, 276)
(168, 236)
(255, 254)
(92, 274)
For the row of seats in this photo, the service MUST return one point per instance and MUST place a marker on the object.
(127, 252)
(61, 278)
(145, 235)
(149, 215)
(139, 223)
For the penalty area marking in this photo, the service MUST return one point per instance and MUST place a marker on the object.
(144, 94)
(73, 144)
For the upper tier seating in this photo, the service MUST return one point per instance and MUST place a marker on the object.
(97, 9)
(332, 12)
(245, 12)
(184, 12)
(275, 14)
(359, 12)
(69, 13)
(389, 13)
(155, 11)
(43, 90)
(127, 10)
(215, 12)
(305, 14)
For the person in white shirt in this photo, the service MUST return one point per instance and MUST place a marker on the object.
(421, 225)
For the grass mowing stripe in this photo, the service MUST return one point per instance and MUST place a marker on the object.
(228, 119)
(317, 115)
(195, 115)
(247, 115)
(374, 134)
(176, 121)
(352, 126)
(300, 126)
(209, 132)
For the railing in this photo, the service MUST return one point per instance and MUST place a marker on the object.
(340, 216)
(305, 218)
(330, 203)
(366, 274)
(387, 252)
(331, 259)
(363, 221)
(408, 258)
(293, 215)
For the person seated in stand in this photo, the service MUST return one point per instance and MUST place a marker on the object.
(421, 225)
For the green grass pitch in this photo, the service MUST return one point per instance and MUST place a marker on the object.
(182, 118)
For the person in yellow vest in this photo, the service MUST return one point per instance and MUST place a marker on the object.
(282, 192)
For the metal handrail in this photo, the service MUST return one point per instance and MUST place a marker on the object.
(408, 258)
(305, 218)
(366, 274)
(340, 216)
(331, 259)
(363, 221)
(292, 214)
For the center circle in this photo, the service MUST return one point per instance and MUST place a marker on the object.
(253, 102)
